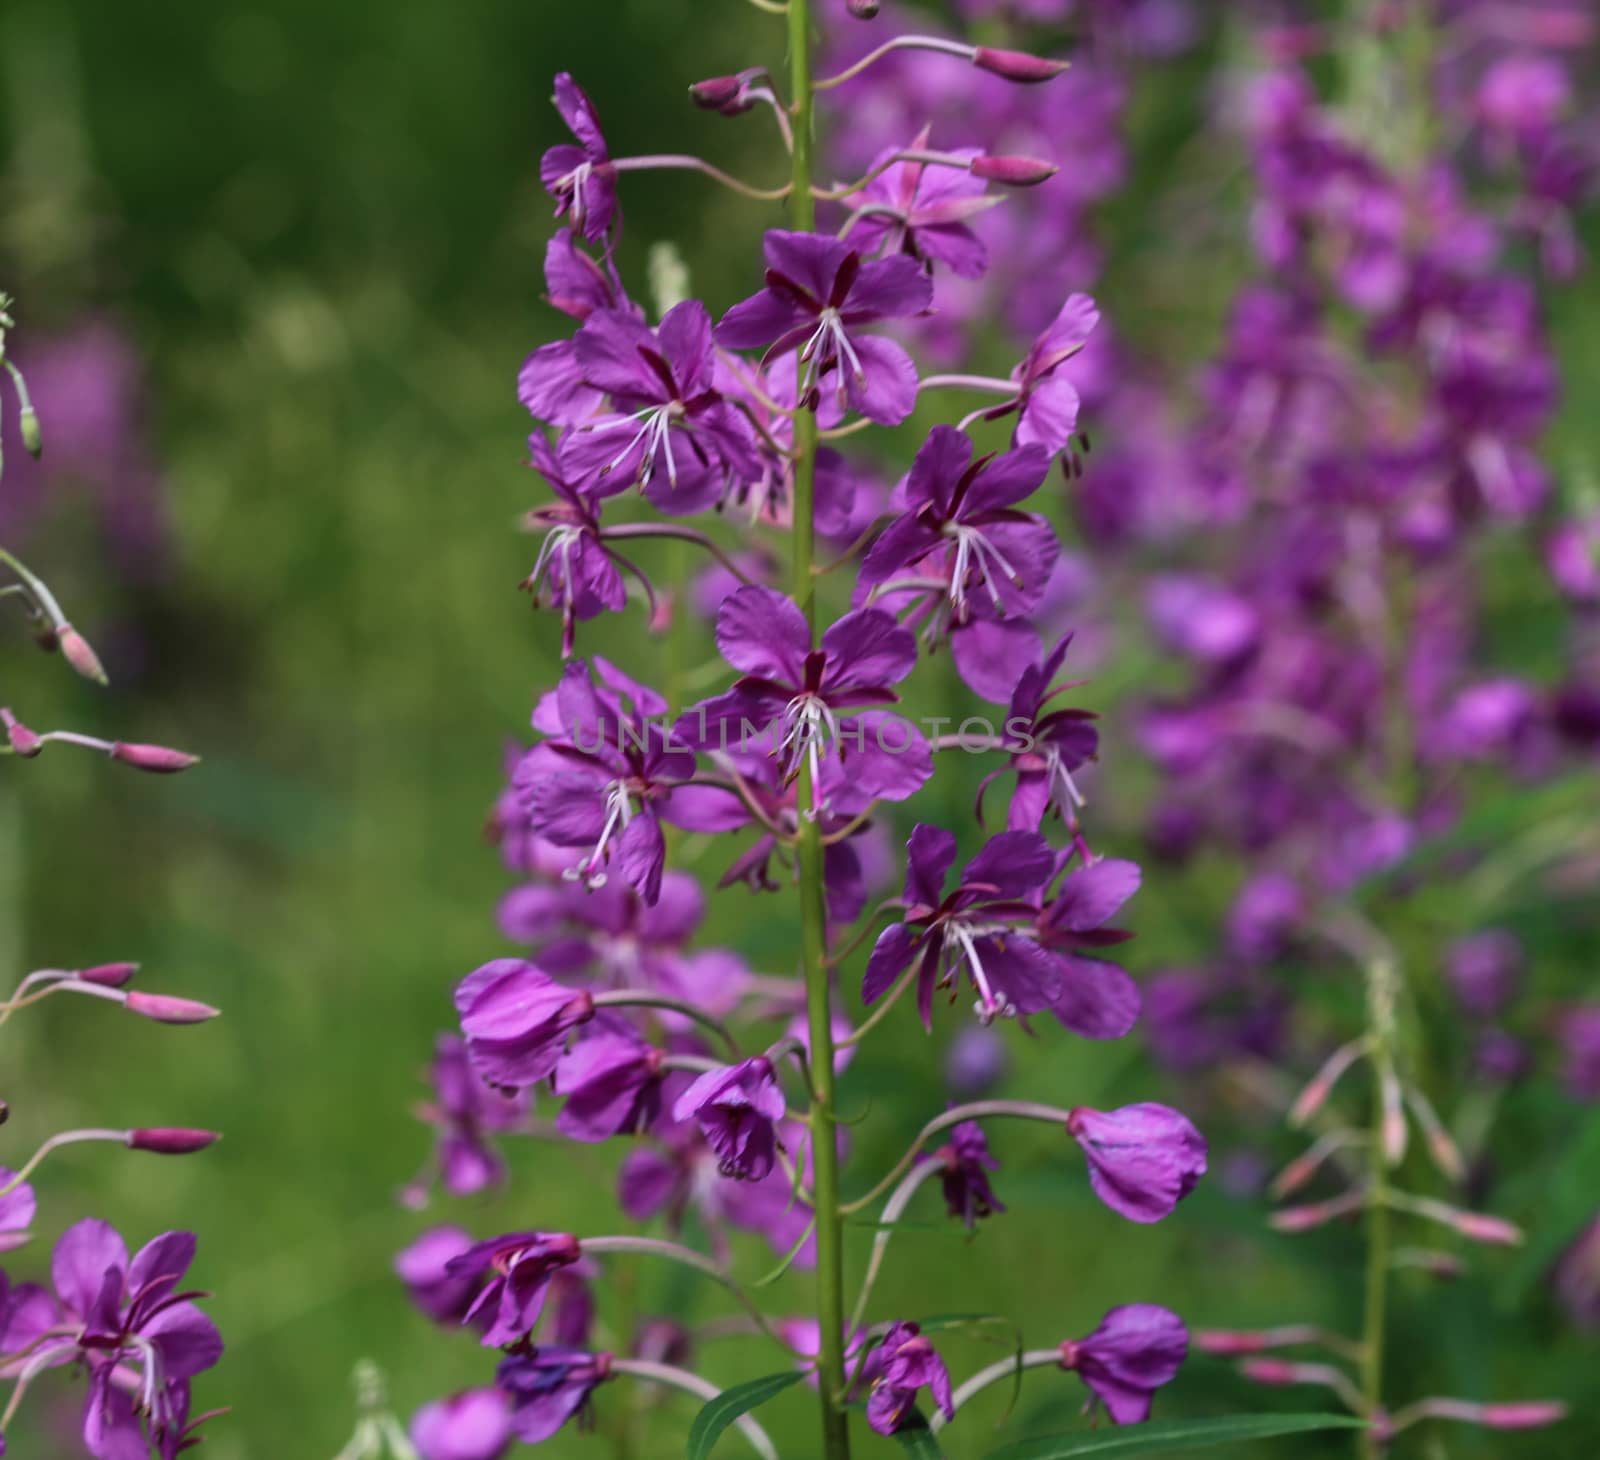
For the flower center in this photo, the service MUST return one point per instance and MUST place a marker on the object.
(961, 946)
(809, 727)
(619, 812)
(975, 554)
(830, 343)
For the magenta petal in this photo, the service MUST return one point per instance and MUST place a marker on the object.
(1097, 1000)
(552, 388)
(756, 322)
(83, 1255)
(475, 1425)
(1049, 416)
(930, 854)
(887, 391)
(188, 1341)
(891, 288)
(990, 657)
(867, 648)
(641, 855)
(578, 112)
(1092, 895)
(884, 757)
(811, 260)
(1010, 478)
(891, 956)
(1012, 864)
(761, 632)
(906, 541)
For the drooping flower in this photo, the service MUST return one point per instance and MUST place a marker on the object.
(17, 1208)
(818, 295)
(474, 1425)
(580, 176)
(1135, 1350)
(466, 1112)
(423, 1266)
(548, 1386)
(795, 697)
(612, 1081)
(902, 1364)
(738, 1108)
(516, 1020)
(1143, 1159)
(965, 1176)
(1048, 746)
(518, 1268)
(1047, 400)
(922, 210)
(975, 927)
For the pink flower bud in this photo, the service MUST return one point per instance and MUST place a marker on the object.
(22, 740)
(1013, 172)
(108, 975)
(76, 650)
(717, 93)
(1480, 1227)
(172, 1140)
(1016, 66)
(167, 1009)
(1229, 1343)
(155, 758)
(1393, 1127)
(1303, 1219)
(1270, 1371)
(1528, 1415)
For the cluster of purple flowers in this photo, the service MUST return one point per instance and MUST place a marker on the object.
(126, 1325)
(610, 1005)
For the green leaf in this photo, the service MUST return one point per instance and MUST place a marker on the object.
(1165, 1437)
(722, 1411)
(917, 1439)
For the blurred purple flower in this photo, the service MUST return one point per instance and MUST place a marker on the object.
(903, 1363)
(738, 1108)
(516, 1019)
(518, 1268)
(1135, 1350)
(965, 1177)
(474, 1425)
(580, 177)
(548, 1386)
(1143, 1159)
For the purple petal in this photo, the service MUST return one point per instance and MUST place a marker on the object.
(930, 854)
(1008, 479)
(811, 260)
(867, 648)
(761, 632)
(607, 352)
(887, 391)
(1091, 896)
(990, 657)
(1049, 416)
(1097, 999)
(578, 112)
(892, 288)
(891, 956)
(1013, 864)
(83, 1255)
(552, 387)
(756, 322)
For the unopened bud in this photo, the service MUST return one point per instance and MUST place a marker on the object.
(1303, 1219)
(21, 739)
(32, 437)
(1271, 1371)
(1480, 1227)
(1229, 1343)
(1315, 1095)
(1528, 1415)
(1013, 172)
(78, 652)
(157, 759)
(1394, 1120)
(718, 93)
(1429, 1260)
(172, 1140)
(1016, 65)
(168, 1009)
(862, 9)
(108, 975)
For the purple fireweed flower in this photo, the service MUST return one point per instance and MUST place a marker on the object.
(1483, 971)
(135, 1332)
(976, 927)
(423, 1266)
(1135, 1350)
(580, 177)
(1047, 399)
(1096, 998)
(578, 284)
(1143, 1159)
(1050, 744)
(669, 431)
(738, 1108)
(965, 1176)
(516, 1019)
(519, 1267)
(465, 1112)
(612, 1081)
(1572, 554)
(976, 1062)
(1266, 913)
(1577, 1278)
(922, 210)
(614, 939)
(17, 1208)
(894, 1371)
(794, 694)
(574, 570)
(548, 1387)
(819, 293)
(604, 776)
(1195, 1019)
(1579, 1034)
(682, 1171)
(961, 525)
(474, 1425)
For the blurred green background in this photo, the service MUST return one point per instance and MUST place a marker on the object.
(323, 229)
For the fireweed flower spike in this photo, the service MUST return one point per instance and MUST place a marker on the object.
(1143, 1159)
(614, 1003)
(819, 293)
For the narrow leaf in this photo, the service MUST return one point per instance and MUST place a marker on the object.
(1166, 1437)
(917, 1439)
(722, 1411)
